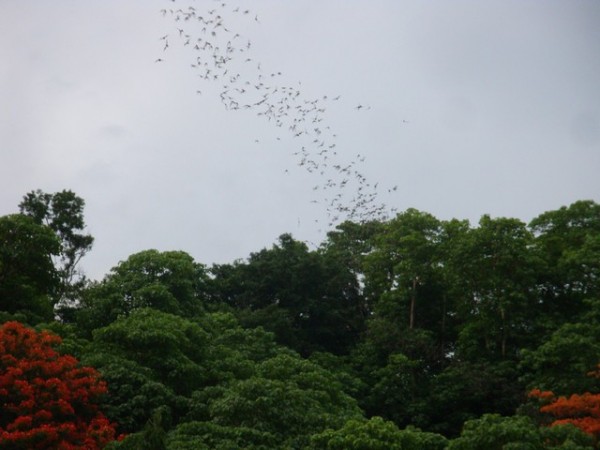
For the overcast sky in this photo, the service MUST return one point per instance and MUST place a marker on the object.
(469, 108)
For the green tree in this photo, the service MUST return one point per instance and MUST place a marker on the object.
(562, 362)
(288, 397)
(495, 274)
(467, 389)
(567, 239)
(28, 279)
(211, 436)
(494, 432)
(396, 390)
(350, 243)
(401, 270)
(376, 434)
(167, 281)
(150, 359)
(309, 300)
(63, 213)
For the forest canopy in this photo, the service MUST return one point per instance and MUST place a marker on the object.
(410, 333)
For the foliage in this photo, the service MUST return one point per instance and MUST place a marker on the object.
(497, 281)
(166, 281)
(212, 436)
(580, 410)
(466, 390)
(402, 267)
(560, 364)
(149, 358)
(567, 241)
(48, 400)
(28, 280)
(288, 398)
(494, 432)
(387, 325)
(62, 212)
(376, 434)
(395, 390)
(308, 299)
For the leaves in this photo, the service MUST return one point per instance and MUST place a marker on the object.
(48, 400)
(28, 279)
(580, 410)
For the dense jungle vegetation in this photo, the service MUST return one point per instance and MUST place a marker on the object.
(410, 333)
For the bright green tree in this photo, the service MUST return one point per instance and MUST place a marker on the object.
(376, 434)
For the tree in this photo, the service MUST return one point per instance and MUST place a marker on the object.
(167, 281)
(150, 359)
(465, 390)
(63, 213)
(376, 434)
(495, 271)
(28, 279)
(494, 432)
(567, 240)
(401, 270)
(211, 436)
(580, 410)
(287, 397)
(310, 300)
(350, 242)
(48, 400)
(561, 363)
(395, 391)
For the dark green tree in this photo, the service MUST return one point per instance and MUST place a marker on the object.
(376, 434)
(167, 281)
(309, 300)
(28, 279)
(149, 359)
(562, 362)
(495, 271)
(465, 390)
(494, 432)
(63, 213)
(568, 241)
(401, 271)
(404, 284)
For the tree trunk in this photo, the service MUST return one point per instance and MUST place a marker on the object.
(411, 322)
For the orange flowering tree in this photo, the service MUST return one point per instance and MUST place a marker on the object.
(47, 400)
(581, 410)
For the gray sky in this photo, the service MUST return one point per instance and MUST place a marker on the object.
(470, 108)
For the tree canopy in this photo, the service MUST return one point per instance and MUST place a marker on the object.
(412, 332)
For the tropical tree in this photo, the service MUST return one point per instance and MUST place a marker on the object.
(376, 434)
(561, 363)
(48, 400)
(567, 240)
(62, 212)
(494, 432)
(167, 281)
(28, 279)
(287, 398)
(495, 271)
(401, 269)
(309, 300)
(580, 410)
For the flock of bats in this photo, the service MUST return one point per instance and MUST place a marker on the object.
(222, 55)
